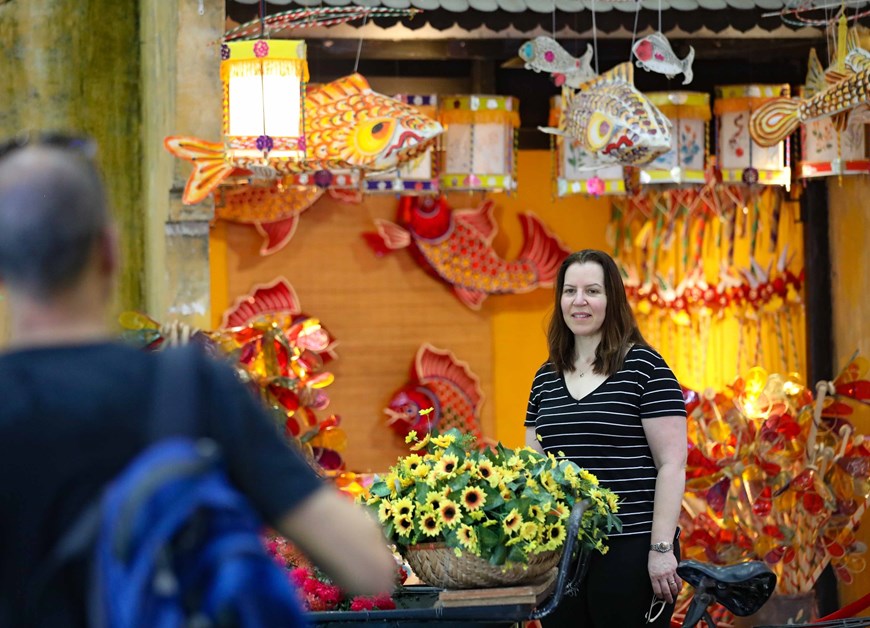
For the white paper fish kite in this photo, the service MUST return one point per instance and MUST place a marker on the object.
(611, 119)
(654, 53)
(829, 93)
(544, 54)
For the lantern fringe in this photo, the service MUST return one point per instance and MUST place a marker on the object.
(297, 68)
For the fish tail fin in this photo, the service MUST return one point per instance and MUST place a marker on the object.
(551, 130)
(210, 166)
(688, 75)
(774, 121)
(542, 248)
(270, 298)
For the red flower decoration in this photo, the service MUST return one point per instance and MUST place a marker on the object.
(261, 49)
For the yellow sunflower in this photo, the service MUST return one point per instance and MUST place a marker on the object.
(403, 507)
(444, 441)
(450, 513)
(473, 498)
(529, 530)
(429, 524)
(512, 521)
(535, 512)
(485, 469)
(585, 475)
(410, 463)
(467, 537)
(557, 535)
(420, 444)
(433, 500)
(385, 511)
(412, 435)
(404, 525)
(446, 467)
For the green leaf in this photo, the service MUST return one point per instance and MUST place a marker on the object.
(499, 555)
(380, 490)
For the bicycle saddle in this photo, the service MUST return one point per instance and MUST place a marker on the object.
(742, 588)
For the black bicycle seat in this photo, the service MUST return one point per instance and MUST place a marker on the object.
(742, 588)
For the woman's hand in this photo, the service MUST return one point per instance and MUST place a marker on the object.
(666, 583)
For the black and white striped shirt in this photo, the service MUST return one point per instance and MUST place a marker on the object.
(603, 433)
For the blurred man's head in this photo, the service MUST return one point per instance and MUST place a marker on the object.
(54, 220)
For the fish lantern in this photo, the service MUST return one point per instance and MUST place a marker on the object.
(741, 158)
(346, 179)
(575, 169)
(479, 145)
(264, 85)
(418, 175)
(689, 112)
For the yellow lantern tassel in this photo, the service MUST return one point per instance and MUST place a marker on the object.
(842, 28)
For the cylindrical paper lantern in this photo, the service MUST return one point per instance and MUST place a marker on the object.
(690, 114)
(263, 83)
(479, 144)
(742, 160)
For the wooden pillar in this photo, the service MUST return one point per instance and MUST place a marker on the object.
(849, 226)
(181, 95)
(73, 65)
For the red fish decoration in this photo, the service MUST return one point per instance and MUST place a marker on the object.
(444, 384)
(456, 247)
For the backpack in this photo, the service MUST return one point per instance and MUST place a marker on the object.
(172, 542)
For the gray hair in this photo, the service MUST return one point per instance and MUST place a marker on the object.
(53, 211)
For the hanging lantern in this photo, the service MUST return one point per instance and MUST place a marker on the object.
(419, 176)
(479, 146)
(264, 85)
(742, 160)
(571, 172)
(826, 151)
(689, 112)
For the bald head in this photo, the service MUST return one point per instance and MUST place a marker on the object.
(52, 214)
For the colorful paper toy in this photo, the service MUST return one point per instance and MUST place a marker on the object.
(611, 119)
(833, 93)
(442, 393)
(654, 54)
(456, 246)
(544, 54)
(347, 126)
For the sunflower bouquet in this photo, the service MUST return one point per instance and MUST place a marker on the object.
(505, 506)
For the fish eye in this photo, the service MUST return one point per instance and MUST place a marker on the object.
(599, 130)
(372, 136)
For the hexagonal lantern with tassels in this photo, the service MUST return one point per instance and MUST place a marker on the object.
(574, 171)
(419, 176)
(689, 112)
(739, 157)
(263, 90)
(479, 150)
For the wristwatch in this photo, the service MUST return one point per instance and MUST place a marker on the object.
(664, 547)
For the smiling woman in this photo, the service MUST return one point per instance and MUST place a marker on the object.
(608, 402)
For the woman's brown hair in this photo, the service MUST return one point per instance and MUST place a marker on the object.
(618, 331)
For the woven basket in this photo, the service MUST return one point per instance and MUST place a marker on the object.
(438, 565)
